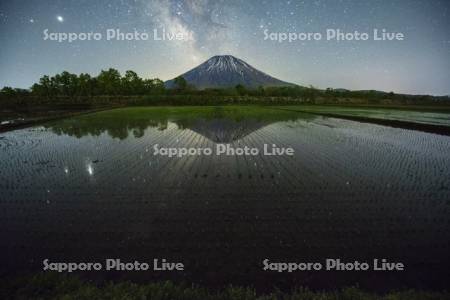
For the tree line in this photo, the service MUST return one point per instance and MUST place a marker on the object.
(111, 83)
(108, 82)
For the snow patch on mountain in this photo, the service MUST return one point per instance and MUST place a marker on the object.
(227, 71)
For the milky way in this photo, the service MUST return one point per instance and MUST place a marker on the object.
(418, 64)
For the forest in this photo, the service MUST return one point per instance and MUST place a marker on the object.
(111, 87)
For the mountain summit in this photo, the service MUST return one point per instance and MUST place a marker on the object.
(227, 71)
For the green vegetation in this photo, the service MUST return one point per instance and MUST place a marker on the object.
(432, 115)
(180, 83)
(55, 286)
(120, 123)
(108, 82)
(432, 119)
(173, 113)
(112, 88)
(66, 94)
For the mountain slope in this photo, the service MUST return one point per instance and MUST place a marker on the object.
(227, 71)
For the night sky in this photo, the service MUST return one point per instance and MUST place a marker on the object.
(420, 64)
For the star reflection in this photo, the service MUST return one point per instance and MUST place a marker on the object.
(90, 169)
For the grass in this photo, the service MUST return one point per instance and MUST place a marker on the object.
(405, 107)
(68, 287)
(436, 121)
(192, 112)
(266, 113)
(433, 115)
(440, 117)
(117, 122)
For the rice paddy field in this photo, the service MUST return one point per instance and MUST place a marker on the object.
(90, 187)
(433, 117)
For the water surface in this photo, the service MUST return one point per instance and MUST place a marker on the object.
(89, 188)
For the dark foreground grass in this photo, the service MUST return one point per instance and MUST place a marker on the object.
(56, 286)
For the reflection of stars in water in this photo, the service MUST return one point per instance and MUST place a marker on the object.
(90, 169)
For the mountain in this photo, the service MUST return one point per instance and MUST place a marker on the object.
(227, 71)
(224, 130)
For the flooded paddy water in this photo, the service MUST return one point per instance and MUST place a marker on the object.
(437, 117)
(90, 188)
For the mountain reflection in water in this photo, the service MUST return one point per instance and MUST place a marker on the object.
(90, 188)
(218, 124)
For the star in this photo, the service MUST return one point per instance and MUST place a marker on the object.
(60, 19)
